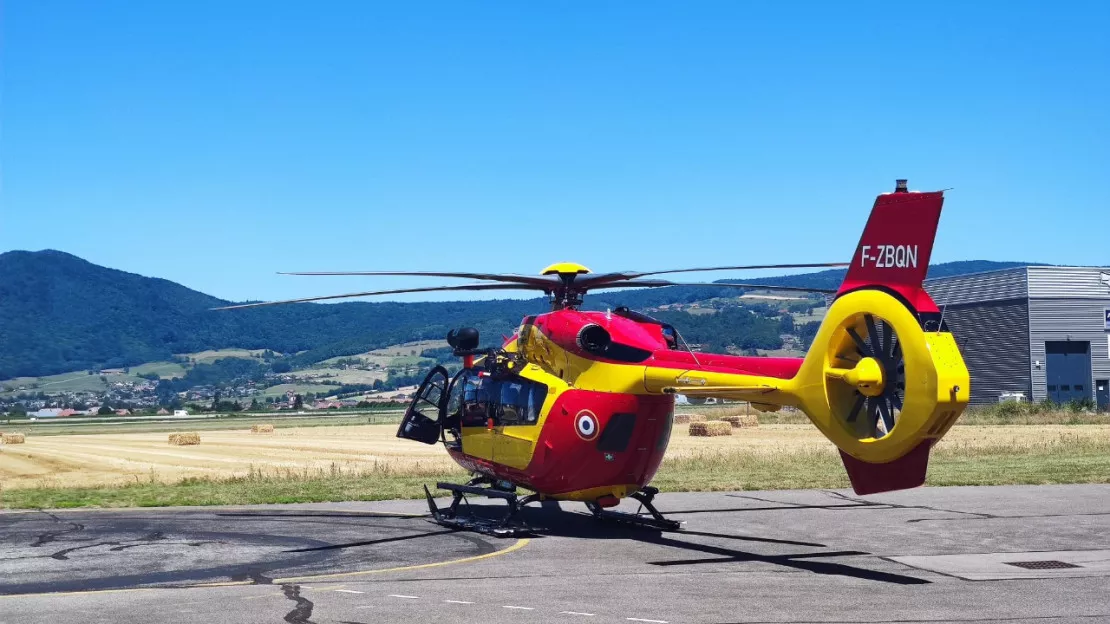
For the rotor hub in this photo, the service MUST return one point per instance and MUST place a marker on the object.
(867, 376)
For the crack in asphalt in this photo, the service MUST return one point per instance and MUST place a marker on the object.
(62, 555)
(50, 536)
(303, 606)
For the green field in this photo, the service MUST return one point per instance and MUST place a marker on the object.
(207, 357)
(80, 381)
(297, 388)
(165, 370)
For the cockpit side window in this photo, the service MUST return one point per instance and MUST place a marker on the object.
(510, 401)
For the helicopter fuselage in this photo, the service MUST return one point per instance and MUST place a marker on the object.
(581, 410)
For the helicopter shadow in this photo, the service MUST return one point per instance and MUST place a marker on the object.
(558, 522)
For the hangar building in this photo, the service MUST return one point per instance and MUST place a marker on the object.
(1042, 331)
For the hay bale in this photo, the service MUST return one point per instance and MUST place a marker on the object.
(742, 421)
(682, 419)
(710, 428)
(263, 428)
(184, 439)
(12, 438)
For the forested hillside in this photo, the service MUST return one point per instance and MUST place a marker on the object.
(60, 313)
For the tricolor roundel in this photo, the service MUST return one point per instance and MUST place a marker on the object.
(585, 425)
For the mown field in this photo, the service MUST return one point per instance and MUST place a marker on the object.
(367, 462)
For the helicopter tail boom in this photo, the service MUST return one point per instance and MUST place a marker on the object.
(883, 378)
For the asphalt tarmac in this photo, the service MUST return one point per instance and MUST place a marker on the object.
(1028, 554)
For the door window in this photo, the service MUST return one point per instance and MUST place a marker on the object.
(510, 401)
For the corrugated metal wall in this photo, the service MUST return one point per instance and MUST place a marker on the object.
(988, 315)
(1079, 319)
(979, 287)
(1069, 283)
(994, 340)
(987, 312)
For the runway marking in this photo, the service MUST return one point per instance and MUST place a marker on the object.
(520, 543)
(88, 591)
(643, 620)
(403, 596)
(458, 601)
(575, 613)
(269, 595)
(521, 608)
(348, 591)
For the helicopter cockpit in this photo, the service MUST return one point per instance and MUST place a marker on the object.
(473, 398)
(477, 398)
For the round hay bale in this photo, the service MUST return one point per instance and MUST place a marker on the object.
(263, 428)
(12, 438)
(711, 428)
(184, 439)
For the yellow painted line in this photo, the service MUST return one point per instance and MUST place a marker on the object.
(520, 543)
(222, 584)
(269, 595)
(82, 593)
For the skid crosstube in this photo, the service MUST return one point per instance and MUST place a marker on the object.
(509, 526)
(506, 526)
(645, 497)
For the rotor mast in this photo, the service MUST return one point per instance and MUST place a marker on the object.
(565, 295)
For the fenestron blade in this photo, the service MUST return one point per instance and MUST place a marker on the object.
(603, 278)
(860, 400)
(388, 292)
(864, 350)
(888, 418)
(490, 277)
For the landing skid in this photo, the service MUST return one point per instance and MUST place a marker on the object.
(645, 496)
(506, 526)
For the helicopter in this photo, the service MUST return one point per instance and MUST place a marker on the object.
(578, 405)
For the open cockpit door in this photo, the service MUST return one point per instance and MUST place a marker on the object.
(423, 418)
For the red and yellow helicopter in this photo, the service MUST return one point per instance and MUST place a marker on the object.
(578, 405)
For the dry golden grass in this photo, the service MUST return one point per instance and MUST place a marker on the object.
(117, 459)
(120, 458)
(262, 428)
(12, 438)
(184, 439)
(710, 429)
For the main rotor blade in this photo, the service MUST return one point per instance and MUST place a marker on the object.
(511, 278)
(663, 283)
(594, 281)
(387, 292)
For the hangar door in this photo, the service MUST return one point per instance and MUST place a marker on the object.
(1068, 370)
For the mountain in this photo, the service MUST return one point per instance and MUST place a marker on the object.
(833, 277)
(60, 313)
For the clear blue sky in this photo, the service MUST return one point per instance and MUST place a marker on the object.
(213, 143)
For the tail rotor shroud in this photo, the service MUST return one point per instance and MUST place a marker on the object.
(877, 384)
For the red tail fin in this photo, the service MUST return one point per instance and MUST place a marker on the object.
(896, 244)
